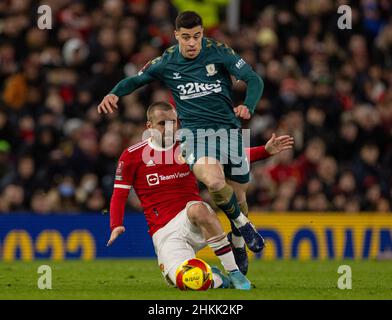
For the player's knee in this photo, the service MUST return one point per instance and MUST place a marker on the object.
(215, 183)
(213, 176)
(199, 213)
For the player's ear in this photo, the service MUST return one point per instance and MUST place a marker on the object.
(148, 124)
(176, 35)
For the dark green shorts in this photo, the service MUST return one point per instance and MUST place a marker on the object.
(224, 145)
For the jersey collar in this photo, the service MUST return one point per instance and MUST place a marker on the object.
(158, 148)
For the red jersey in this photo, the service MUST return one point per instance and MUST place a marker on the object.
(163, 184)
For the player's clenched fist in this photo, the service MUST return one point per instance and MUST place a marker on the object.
(242, 112)
(109, 102)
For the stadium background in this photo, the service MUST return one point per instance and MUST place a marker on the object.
(329, 88)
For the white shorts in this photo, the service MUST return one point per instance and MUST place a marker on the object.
(178, 241)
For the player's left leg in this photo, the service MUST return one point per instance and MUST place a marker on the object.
(204, 227)
(237, 177)
(180, 239)
(235, 237)
(173, 248)
(240, 192)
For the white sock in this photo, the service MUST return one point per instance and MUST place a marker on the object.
(228, 261)
(222, 249)
(238, 242)
(241, 220)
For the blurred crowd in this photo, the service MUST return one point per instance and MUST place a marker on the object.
(329, 88)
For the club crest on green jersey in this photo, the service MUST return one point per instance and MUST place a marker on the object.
(211, 70)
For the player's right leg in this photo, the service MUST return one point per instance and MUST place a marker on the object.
(172, 250)
(212, 175)
(202, 153)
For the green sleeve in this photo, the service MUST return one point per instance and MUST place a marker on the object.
(237, 67)
(147, 74)
(254, 90)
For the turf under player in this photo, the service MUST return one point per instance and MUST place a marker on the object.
(198, 71)
(180, 223)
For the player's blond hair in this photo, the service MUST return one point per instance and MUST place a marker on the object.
(159, 105)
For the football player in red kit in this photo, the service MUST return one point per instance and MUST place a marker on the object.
(179, 222)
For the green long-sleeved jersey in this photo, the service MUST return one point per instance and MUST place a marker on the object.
(202, 86)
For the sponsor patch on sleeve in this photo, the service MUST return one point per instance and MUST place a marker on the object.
(119, 170)
(240, 63)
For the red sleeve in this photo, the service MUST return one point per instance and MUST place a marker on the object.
(257, 153)
(117, 207)
(122, 185)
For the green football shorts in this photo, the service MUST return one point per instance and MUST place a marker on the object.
(224, 145)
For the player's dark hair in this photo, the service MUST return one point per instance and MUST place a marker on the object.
(159, 105)
(188, 20)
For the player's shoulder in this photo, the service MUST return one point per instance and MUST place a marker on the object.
(134, 152)
(157, 62)
(219, 47)
(169, 54)
(160, 61)
(171, 50)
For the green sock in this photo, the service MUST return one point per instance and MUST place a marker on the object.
(226, 200)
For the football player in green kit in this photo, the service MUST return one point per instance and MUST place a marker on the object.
(198, 72)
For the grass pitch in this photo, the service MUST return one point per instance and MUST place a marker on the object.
(142, 280)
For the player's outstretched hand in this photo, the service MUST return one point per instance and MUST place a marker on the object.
(114, 235)
(242, 112)
(278, 144)
(108, 104)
